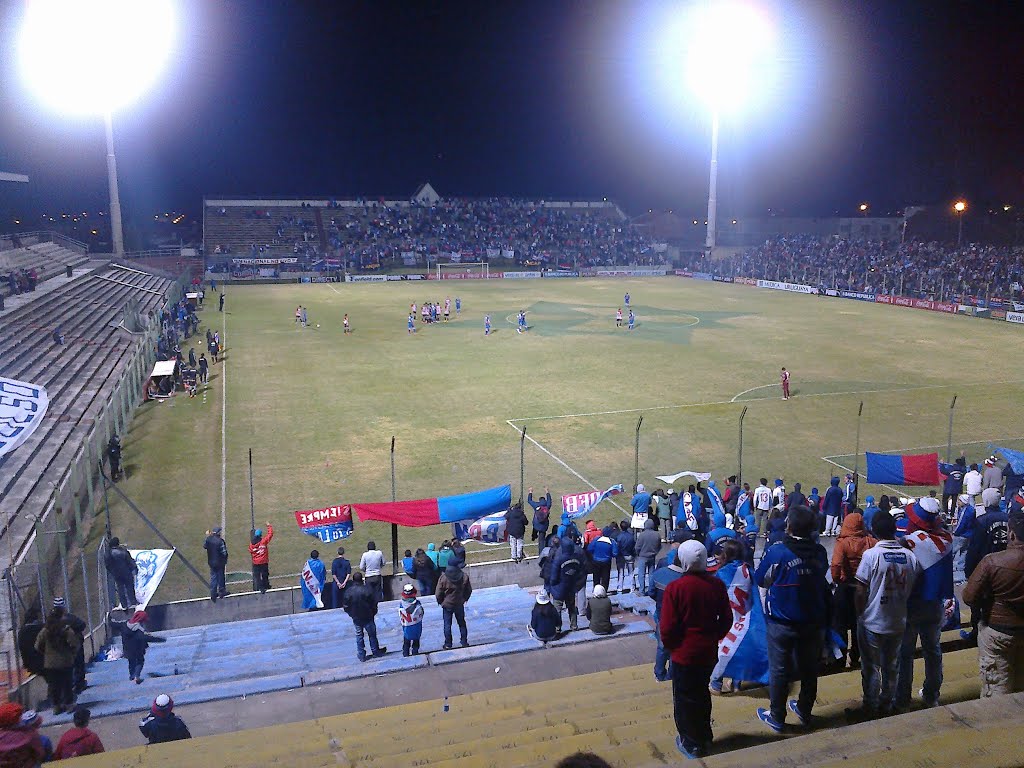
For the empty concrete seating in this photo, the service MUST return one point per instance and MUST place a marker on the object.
(48, 259)
(218, 661)
(622, 715)
(79, 377)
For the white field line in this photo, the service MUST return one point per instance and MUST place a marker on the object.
(753, 389)
(936, 445)
(224, 430)
(566, 466)
(959, 385)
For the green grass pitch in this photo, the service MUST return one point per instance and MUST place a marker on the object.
(319, 408)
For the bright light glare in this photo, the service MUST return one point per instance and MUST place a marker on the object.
(729, 50)
(959, 206)
(87, 57)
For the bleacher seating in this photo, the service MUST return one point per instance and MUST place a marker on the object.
(47, 258)
(624, 716)
(78, 377)
(219, 661)
(378, 233)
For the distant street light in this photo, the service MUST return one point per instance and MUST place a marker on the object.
(960, 206)
(92, 57)
(863, 207)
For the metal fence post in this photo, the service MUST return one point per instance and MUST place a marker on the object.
(636, 455)
(739, 473)
(949, 438)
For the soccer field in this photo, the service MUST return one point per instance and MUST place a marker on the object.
(319, 409)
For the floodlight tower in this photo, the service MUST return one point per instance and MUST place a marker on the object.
(729, 41)
(116, 47)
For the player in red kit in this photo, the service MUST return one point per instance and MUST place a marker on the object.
(784, 378)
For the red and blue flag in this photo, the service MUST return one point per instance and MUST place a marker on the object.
(903, 469)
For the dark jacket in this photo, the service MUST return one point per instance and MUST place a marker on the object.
(544, 621)
(360, 603)
(991, 534)
(541, 511)
(627, 543)
(599, 612)
(515, 522)
(565, 572)
(121, 564)
(793, 571)
(453, 588)
(423, 568)
(136, 641)
(216, 551)
(695, 616)
(954, 482)
(832, 504)
(458, 558)
(162, 729)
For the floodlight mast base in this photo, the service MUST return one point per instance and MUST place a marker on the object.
(709, 242)
(116, 233)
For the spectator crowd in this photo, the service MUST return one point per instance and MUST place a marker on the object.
(937, 271)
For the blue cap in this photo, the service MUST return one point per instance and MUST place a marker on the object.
(259, 532)
(869, 499)
(778, 481)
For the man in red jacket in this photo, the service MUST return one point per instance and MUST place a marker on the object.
(260, 552)
(695, 616)
(79, 740)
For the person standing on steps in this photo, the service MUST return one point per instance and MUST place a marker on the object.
(360, 603)
(341, 576)
(410, 615)
(372, 566)
(541, 517)
(135, 640)
(565, 573)
(217, 558)
(515, 525)
(259, 551)
(695, 615)
(122, 568)
(58, 643)
(452, 593)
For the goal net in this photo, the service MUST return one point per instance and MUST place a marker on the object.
(476, 269)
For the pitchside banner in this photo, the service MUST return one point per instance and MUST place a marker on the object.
(778, 286)
(1015, 317)
(22, 408)
(152, 565)
(328, 524)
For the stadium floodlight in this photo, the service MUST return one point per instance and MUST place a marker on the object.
(960, 206)
(94, 57)
(731, 44)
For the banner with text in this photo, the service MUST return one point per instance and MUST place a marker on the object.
(491, 530)
(22, 408)
(794, 287)
(328, 524)
(579, 504)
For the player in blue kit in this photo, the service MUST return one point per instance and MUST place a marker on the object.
(522, 322)
(632, 320)
(458, 306)
(625, 299)
(412, 323)
(487, 325)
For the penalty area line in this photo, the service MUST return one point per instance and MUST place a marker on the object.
(960, 385)
(564, 465)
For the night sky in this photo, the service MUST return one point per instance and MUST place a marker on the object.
(889, 102)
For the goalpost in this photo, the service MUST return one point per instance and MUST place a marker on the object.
(478, 268)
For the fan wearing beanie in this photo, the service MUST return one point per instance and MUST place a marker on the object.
(18, 745)
(695, 615)
(161, 724)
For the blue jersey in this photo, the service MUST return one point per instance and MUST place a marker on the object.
(458, 305)
(632, 320)
(625, 299)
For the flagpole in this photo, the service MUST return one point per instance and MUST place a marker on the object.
(856, 450)
(949, 439)
(739, 473)
(636, 455)
(394, 526)
(522, 465)
(252, 498)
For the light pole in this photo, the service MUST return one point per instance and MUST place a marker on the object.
(959, 206)
(116, 231)
(115, 48)
(709, 240)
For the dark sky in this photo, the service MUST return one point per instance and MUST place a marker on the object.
(893, 102)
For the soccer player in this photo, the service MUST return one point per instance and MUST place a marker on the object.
(458, 306)
(522, 322)
(412, 309)
(487, 325)
(632, 320)
(425, 312)
(412, 323)
(625, 299)
(447, 307)
(344, 323)
(784, 379)
(618, 317)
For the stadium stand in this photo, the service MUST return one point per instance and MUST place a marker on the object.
(48, 258)
(923, 270)
(92, 380)
(387, 234)
(623, 715)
